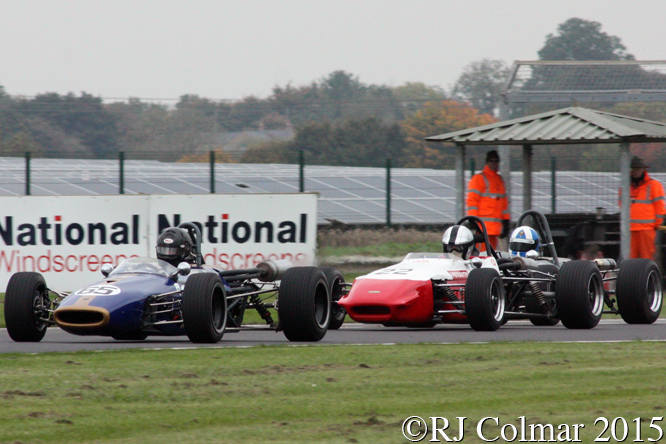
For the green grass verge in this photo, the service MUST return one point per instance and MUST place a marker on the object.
(332, 394)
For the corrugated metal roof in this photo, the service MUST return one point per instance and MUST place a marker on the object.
(573, 125)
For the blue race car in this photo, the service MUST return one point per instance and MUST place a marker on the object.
(145, 296)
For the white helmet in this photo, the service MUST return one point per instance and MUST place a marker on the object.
(522, 240)
(458, 239)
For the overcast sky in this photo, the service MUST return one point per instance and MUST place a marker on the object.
(230, 49)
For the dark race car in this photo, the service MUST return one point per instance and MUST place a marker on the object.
(489, 288)
(144, 296)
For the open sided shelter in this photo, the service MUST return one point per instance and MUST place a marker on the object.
(567, 126)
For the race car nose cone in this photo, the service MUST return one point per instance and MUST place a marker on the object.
(377, 301)
(81, 318)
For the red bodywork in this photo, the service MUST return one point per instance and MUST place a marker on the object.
(400, 302)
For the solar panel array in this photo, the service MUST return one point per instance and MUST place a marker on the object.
(350, 195)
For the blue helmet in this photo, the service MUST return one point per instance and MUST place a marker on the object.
(522, 240)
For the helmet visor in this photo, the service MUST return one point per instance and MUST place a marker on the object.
(522, 245)
(165, 251)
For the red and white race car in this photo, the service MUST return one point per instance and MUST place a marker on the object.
(461, 285)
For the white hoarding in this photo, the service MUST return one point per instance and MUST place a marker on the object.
(68, 238)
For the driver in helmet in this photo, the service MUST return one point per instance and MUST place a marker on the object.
(522, 240)
(458, 239)
(174, 245)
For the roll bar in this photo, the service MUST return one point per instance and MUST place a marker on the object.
(195, 234)
(482, 226)
(543, 229)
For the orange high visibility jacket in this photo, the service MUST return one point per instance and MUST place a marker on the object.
(486, 199)
(648, 208)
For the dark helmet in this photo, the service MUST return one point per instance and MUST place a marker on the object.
(174, 245)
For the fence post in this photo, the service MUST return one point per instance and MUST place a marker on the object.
(553, 189)
(301, 178)
(27, 173)
(388, 192)
(460, 180)
(121, 185)
(527, 177)
(212, 172)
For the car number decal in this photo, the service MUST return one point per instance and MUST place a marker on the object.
(401, 271)
(98, 290)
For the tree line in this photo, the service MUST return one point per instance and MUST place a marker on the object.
(336, 120)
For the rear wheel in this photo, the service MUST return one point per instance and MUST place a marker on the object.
(304, 304)
(639, 291)
(336, 284)
(579, 294)
(485, 300)
(204, 308)
(26, 307)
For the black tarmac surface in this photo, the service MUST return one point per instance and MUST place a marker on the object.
(57, 340)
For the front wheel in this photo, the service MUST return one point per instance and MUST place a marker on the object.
(304, 304)
(485, 299)
(204, 308)
(639, 291)
(336, 284)
(579, 295)
(27, 307)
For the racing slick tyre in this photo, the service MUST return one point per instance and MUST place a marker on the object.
(485, 300)
(579, 294)
(533, 306)
(304, 304)
(26, 307)
(204, 308)
(336, 284)
(639, 291)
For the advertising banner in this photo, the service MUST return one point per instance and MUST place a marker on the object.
(68, 238)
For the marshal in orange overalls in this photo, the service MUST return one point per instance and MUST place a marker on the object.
(486, 199)
(647, 214)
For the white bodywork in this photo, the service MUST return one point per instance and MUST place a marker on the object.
(425, 266)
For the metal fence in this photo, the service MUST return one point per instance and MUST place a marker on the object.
(347, 195)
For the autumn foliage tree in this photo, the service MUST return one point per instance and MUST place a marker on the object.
(438, 118)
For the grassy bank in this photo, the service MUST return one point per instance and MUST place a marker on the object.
(333, 394)
(381, 242)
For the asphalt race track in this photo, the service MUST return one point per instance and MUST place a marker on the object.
(613, 330)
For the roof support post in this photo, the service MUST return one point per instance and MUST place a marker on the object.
(625, 208)
(527, 177)
(460, 180)
(505, 151)
(505, 170)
